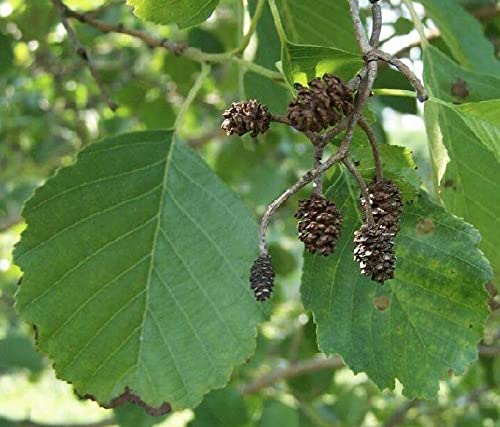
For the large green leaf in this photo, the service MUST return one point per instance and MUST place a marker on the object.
(186, 13)
(429, 318)
(463, 35)
(469, 132)
(135, 265)
(322, 23)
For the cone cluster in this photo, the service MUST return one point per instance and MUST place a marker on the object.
(374, 249)
(320, 224)
(246, 116)
(262, 278)
(320, 105)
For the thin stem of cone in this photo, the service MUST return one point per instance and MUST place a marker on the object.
(364, 190)
(379, 171)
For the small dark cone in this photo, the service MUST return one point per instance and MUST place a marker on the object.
(374, 252)
(246, 116)
(386, 201)
(320, 105)
(262, 278)
(320, 224)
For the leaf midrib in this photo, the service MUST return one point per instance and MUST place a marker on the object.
(154, 241)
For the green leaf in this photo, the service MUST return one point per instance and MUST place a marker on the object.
(429, 318)
(469, 132)
(185, 13)
(221, 408)
(302, 63)
(322, 23)
(463, 35)
(135, 263)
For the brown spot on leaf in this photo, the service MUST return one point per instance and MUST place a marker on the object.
(381, 302)
(450, 183)
(129, 397)
(460, 89)
(425, 226)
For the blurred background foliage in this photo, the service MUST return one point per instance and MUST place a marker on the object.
(50, 108)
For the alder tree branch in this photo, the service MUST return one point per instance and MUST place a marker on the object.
(363, 82)
(377, 25)
(405, 70)
(176, 48)
(82, 52)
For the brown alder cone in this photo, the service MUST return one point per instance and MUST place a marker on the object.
(262, 278)
(320, 105)
(246, 116)
(320, 224)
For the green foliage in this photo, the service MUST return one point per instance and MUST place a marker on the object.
(429, 318)
(468, 134)
(135, 252)
(132, 212)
